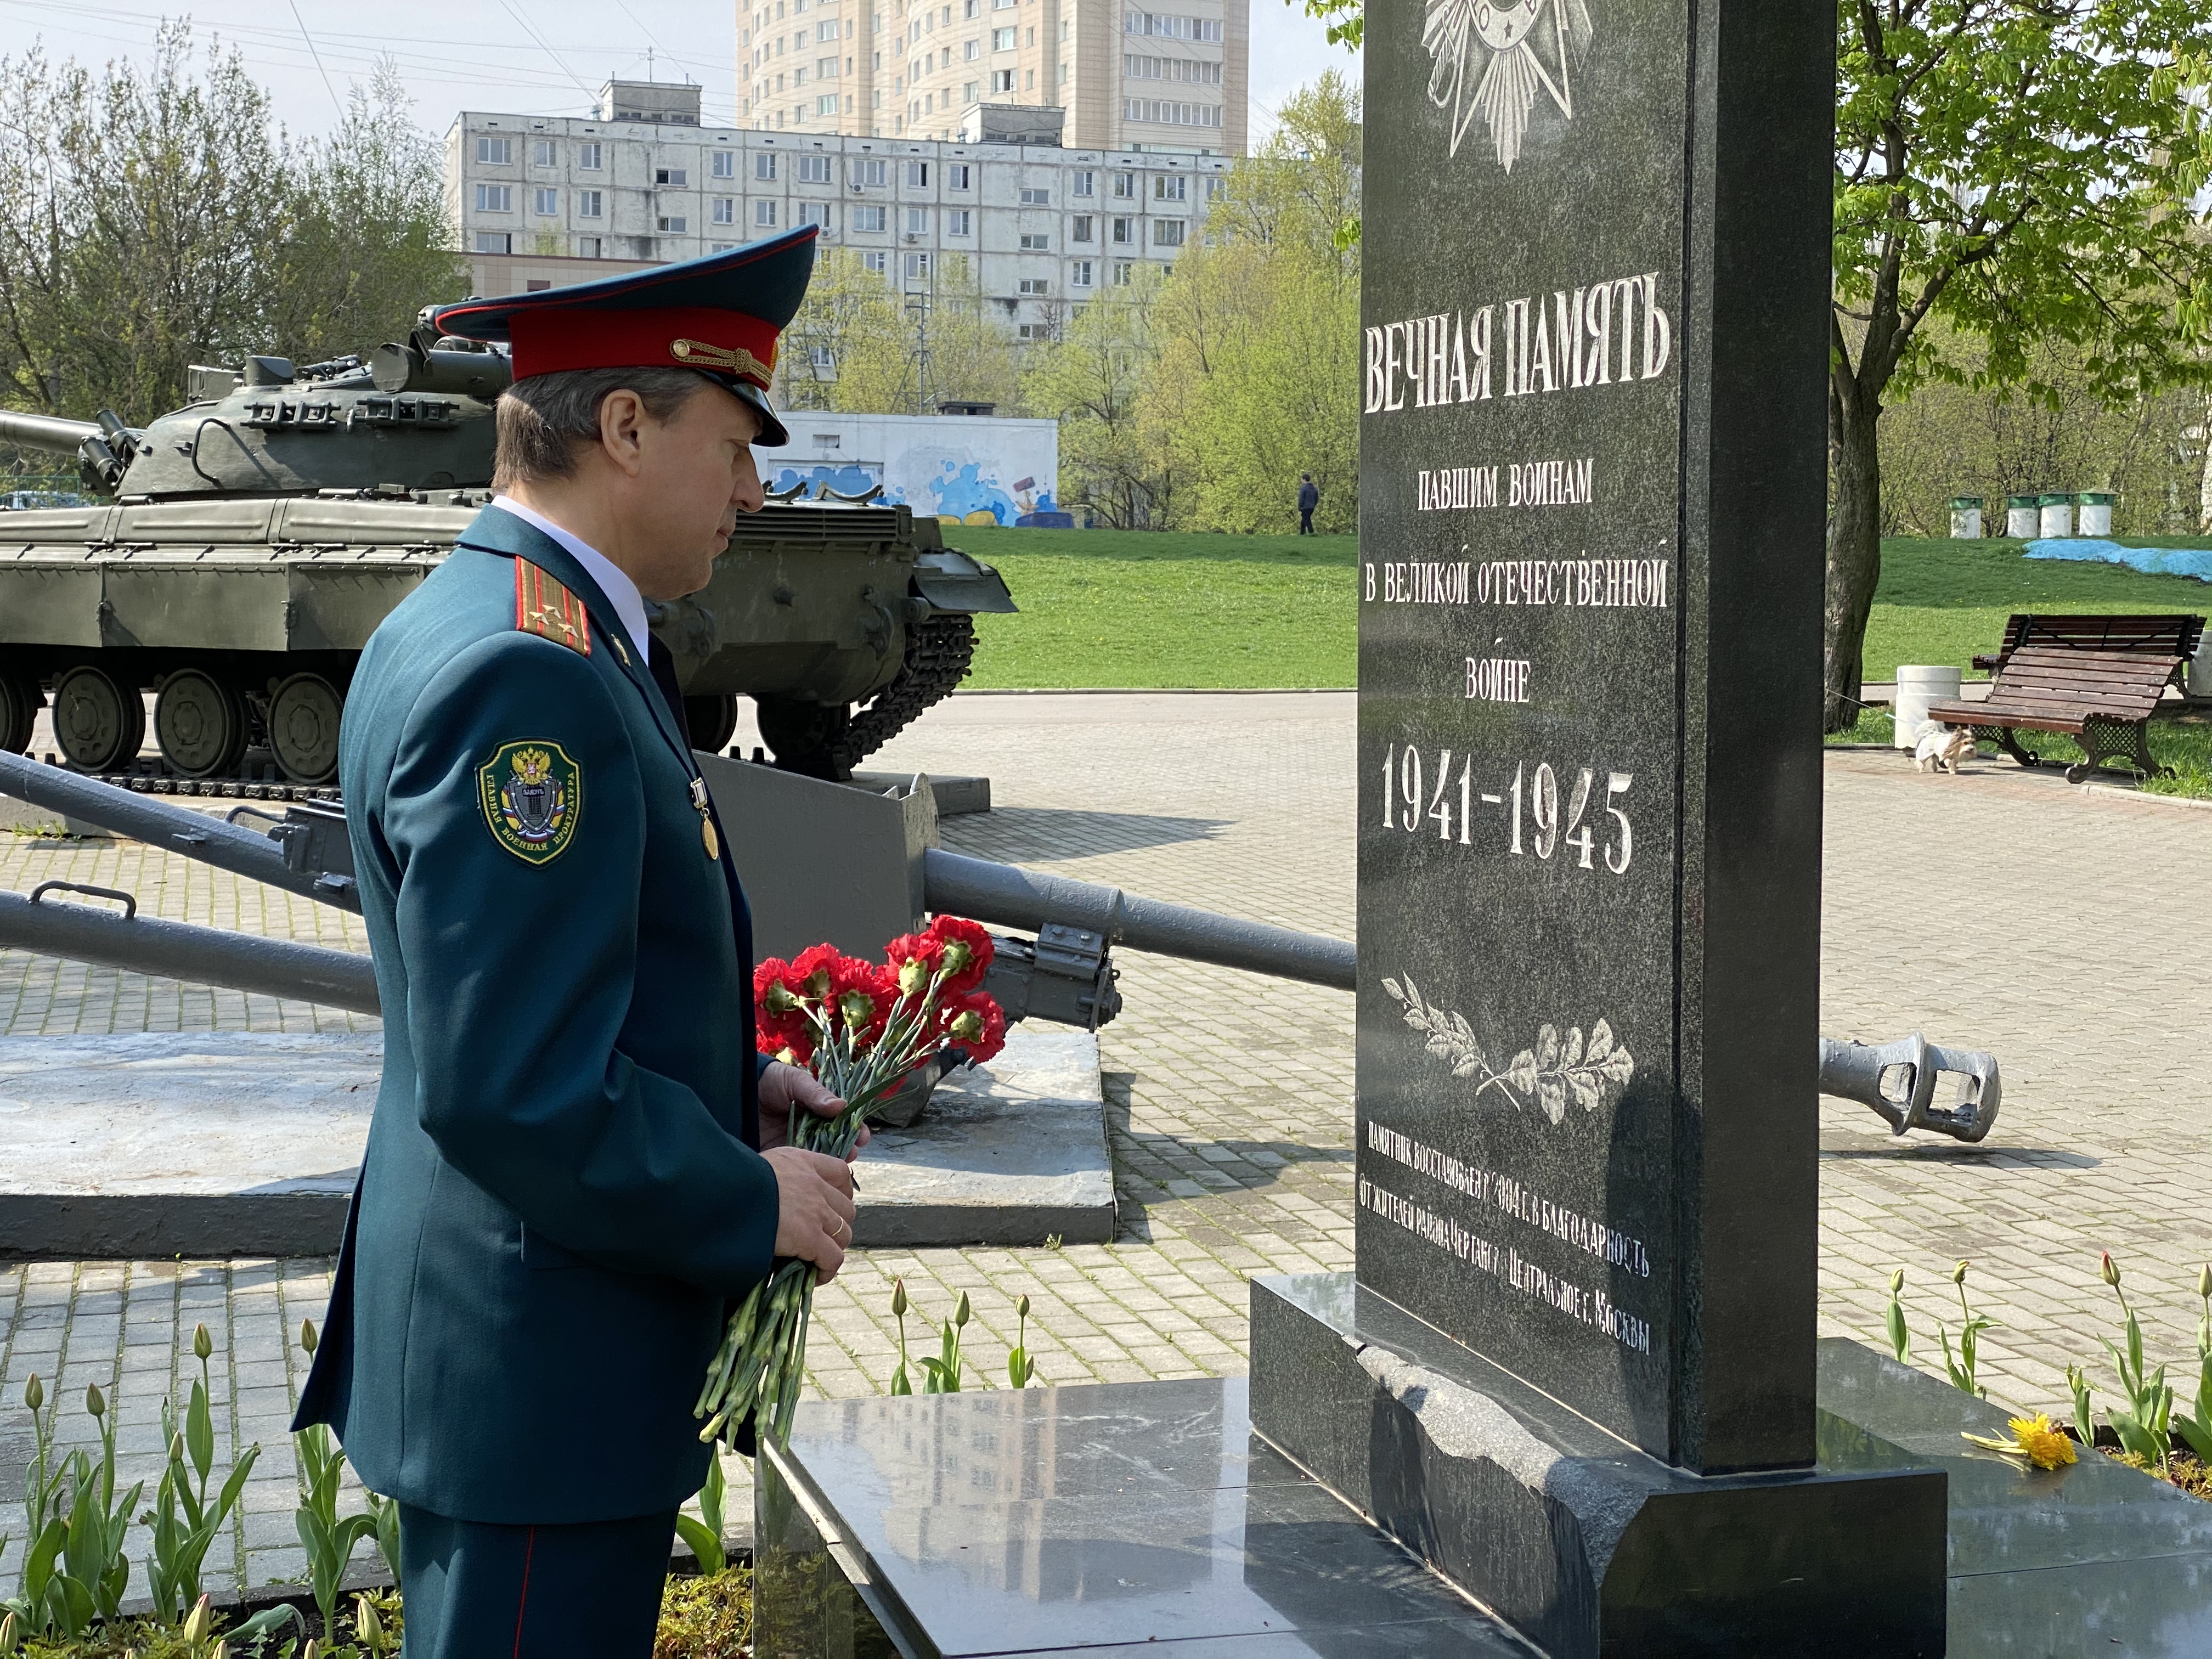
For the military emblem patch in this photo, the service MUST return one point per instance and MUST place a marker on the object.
(532, 794)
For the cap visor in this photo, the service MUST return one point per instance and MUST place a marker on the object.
(772, 435)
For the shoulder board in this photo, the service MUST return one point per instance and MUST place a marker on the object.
(544, 607)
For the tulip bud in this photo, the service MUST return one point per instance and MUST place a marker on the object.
(198, 1621)
(960, 1314)
(2111, 1271)
(34, 1393)
(365, 1621)
(1959, 1273)
(312, 1650)
(222, 1651)
(308, 1338)
(10, 1631)
(177, 1447)
(1897, 1281)
(2204, 1279)
(95, 1401)
(898, 1307)
(1022, 1306)
(202, 1344)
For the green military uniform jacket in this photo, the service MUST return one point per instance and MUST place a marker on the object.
(560, 1193)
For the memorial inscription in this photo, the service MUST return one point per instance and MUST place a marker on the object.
(1540, 1000)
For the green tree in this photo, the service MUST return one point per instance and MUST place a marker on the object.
(1094, 379)
(2018, 169)
(848, 347)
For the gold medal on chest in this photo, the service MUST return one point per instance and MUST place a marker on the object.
(706, 834)
(707, 838)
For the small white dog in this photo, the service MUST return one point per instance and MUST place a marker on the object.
(1942, 747)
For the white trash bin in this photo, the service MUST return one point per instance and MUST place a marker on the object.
(2020, 518)
(1966, 517)
(1919, 684)
(2058, 514)
(2096, 514)
(2199, 683)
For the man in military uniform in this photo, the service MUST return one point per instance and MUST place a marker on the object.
(577, 1161)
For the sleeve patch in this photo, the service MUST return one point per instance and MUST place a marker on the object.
(532, 796)
(544, 607)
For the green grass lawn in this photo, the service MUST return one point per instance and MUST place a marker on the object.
(1148, 610)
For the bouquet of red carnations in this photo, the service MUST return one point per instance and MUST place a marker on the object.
(861, 1027)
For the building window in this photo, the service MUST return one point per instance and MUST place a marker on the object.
(494, 241)
(814, 213)
(1086, 183)
(959, 221)
(543, 153)
(588, 158)
(587, 248)
(875, 259)
(673, 226)
(825, 69)
(1125, 186)
(814, 169)
(966, 92)
(917, 221)
(822, 358)
(917, 267)
(868, 219)
(826, 105)
(720, 247)
(1081, 228)
(1169, 187)
(1002, 39)
(958, 175)
(1078, 274)
(1166, 112)
(1125, 231)
(1036, 286)
(1002, 81)
(676, 176)
(1036, 198)
(723, 164)
(495, 152)
(1167, 233)
(826, 29)
(870, 175)
(1215, 188)
(1125, 272)
(971, 50)
(589, 204)
(764, 213)
(917, 175)
(764, 164)
(545, 204)
(1036, 242)
(725, 211)
(1035, 331)
(495, 198)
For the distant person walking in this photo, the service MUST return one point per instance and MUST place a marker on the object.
(1308, 499)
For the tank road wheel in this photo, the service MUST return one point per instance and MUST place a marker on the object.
(200, 724)
(303, 728)
(713, 720)
(99, 722)
(20, 699)
(805, 736)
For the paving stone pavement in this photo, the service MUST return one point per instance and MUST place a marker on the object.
(2000, 909)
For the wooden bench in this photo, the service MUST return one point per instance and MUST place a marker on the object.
(2136, 636)
(2101, 699)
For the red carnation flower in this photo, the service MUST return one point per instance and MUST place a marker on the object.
(966, 947)
(976, 1024)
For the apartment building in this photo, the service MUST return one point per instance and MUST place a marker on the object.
(1129, 80)
(543, 201)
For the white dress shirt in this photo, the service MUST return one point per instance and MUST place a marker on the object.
(614, 582)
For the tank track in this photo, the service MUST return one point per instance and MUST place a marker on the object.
(161, 783)
(939, 650)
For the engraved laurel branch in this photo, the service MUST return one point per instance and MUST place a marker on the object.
(1591, 1072)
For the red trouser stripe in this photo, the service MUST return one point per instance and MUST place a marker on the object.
(529, 1549)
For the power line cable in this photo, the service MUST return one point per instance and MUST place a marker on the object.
(318, 57)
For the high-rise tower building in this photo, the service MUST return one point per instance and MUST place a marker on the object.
(1123, 78)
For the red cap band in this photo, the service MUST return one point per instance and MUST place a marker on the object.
(550, 338)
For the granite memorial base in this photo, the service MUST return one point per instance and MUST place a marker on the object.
(216, 1143)
(1584, 1543)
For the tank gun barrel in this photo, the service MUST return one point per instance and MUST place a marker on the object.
(175, 950)
(195, 834)
(45, 431)
(1013, 898)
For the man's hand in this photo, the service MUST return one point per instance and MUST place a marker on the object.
(814, 1217)
(784, 1087)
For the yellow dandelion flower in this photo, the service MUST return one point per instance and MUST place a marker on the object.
(2036, 1438)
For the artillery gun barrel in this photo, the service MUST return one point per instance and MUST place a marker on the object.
(195, 834)
(1013, 897)
(45, 431)
(176, 950)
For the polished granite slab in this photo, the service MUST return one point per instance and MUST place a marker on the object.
(1097, 1520)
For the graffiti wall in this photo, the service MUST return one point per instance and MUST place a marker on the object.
(966, 469)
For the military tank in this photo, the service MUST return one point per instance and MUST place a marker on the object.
(253, 539)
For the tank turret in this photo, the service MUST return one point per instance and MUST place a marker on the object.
(256, 537)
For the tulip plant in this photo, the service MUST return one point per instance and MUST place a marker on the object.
(861, 1027)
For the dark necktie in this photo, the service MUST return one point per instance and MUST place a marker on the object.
(660, 662)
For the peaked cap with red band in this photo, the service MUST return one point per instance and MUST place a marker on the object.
(721, 315)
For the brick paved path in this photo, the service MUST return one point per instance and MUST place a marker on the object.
(1999, 910)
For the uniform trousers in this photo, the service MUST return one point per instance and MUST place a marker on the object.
(477, 1590)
